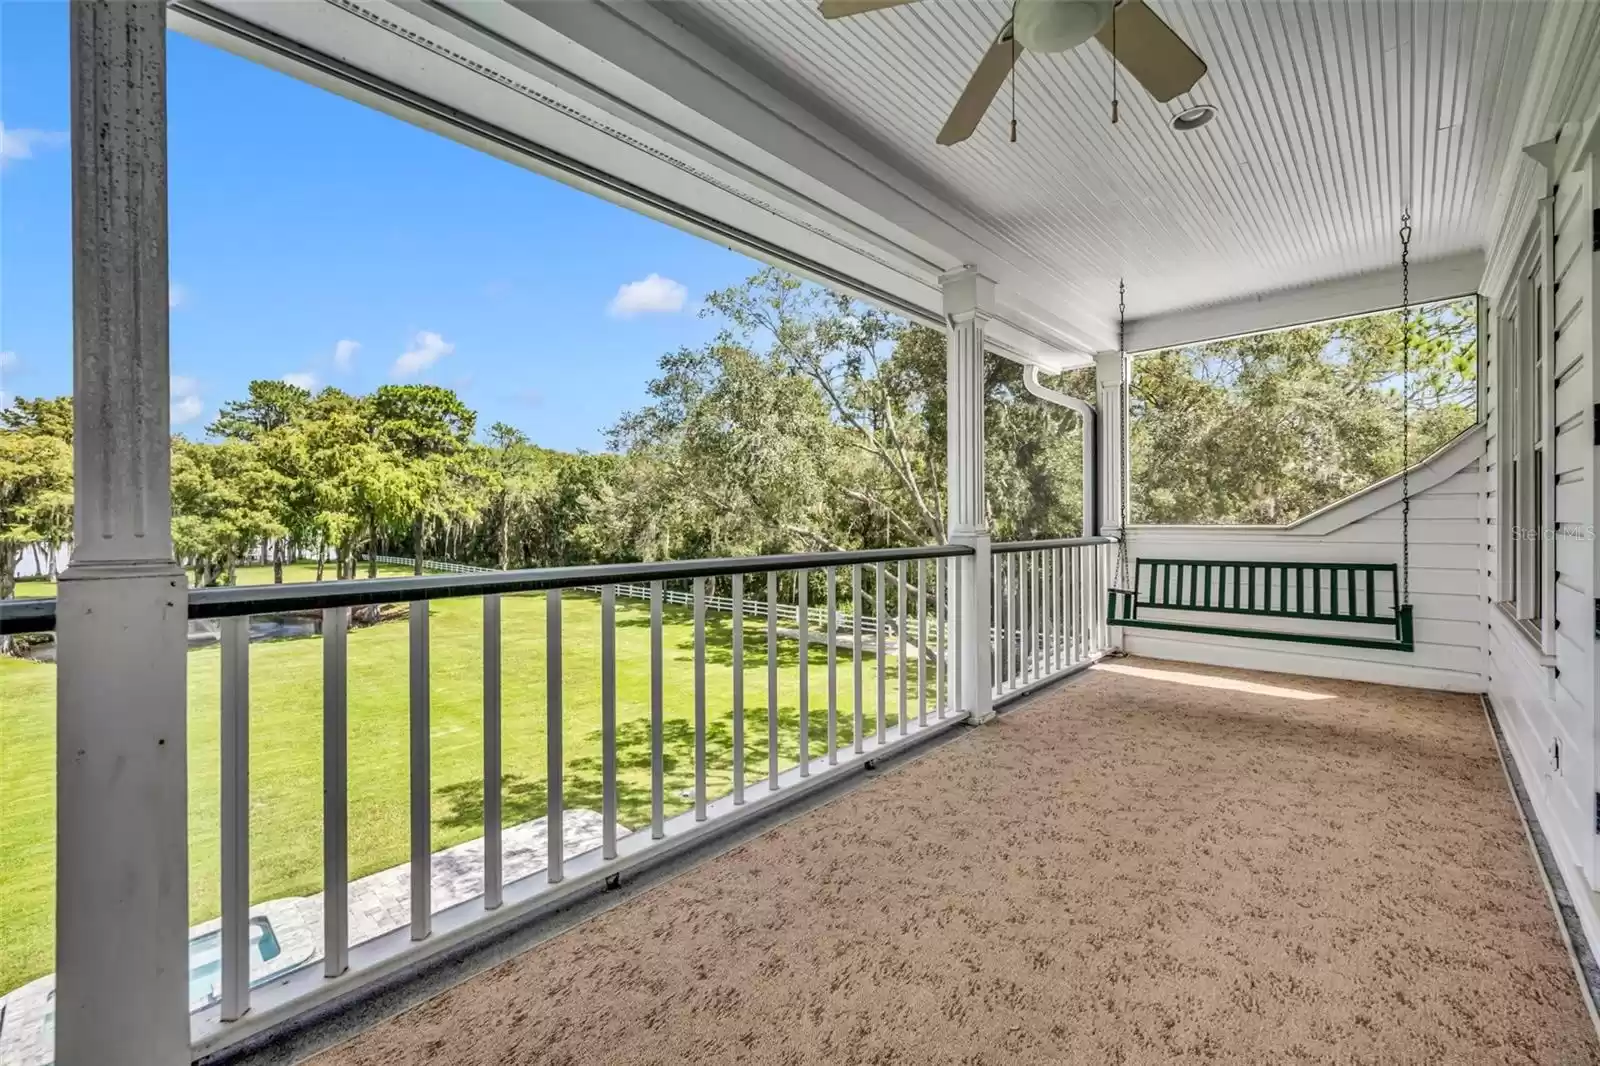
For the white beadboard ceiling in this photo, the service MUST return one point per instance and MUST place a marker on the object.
(1333, 116)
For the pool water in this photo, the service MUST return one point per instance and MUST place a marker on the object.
(205, 961)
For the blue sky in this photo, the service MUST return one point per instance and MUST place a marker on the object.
(318, 240)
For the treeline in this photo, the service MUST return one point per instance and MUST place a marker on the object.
(1269, 428)
(809, 423)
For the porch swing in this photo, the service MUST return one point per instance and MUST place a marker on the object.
(1307, 592)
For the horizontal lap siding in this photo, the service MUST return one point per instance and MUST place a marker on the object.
(1546, 701)
(1446, 574)
(1525, 698)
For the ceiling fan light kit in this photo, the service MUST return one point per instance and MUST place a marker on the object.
(1058, 25)
(1139, 42)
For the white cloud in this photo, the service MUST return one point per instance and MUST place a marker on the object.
(186, 402)
(303, 380)
(20, 144)
(652, 295)
(344, 354)
(427, 348)
(8, 361)
(177, 296)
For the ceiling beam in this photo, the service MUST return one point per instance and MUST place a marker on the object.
(1436, 279)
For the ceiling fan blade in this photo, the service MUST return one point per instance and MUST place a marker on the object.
(1148, 49)
(980, 92)
(838, 9)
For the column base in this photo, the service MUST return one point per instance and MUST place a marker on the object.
(972, 625)
(122, 903)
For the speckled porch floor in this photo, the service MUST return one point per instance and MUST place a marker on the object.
(1155, 863)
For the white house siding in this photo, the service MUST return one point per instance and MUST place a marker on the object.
(1446, 574)
(1546, 701)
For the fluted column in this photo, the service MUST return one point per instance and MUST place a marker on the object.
(121, 772)
(968, 304)
(1111, 376)
(1111, 381)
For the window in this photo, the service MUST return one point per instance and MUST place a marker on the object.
(1527, 441)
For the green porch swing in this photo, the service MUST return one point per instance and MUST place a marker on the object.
(1308, 592)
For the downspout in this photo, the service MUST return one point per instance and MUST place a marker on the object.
(1091, 441)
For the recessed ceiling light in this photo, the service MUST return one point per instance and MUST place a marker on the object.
(1193, 118)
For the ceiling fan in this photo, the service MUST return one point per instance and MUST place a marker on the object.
(1145, 46)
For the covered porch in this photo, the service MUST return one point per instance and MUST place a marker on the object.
(1153, 862)
(1142, 859)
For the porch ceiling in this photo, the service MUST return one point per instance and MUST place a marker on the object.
(1299, 180)
(765, 127)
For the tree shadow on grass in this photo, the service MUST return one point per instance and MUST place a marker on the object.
(719, 638)
(583, 781)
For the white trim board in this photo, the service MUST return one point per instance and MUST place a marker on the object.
(1327, 301)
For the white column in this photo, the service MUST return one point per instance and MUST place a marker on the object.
(968, 304)
(1110, 370)
(121, 814)
(1111, 381)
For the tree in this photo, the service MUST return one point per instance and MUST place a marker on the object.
(268, 418)
(49, 507)
(840, 346)
(737, 452)
(853, 456)
(1268, 428)
(223, 501)
(51, 416)
(519, 477)
(35, 493)
(429, 429)
(356, 484)
(271, 405)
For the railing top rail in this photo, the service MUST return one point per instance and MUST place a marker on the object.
(1040, 545)
(37, 616)
(1277, 564)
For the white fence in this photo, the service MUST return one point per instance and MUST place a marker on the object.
(436, 565)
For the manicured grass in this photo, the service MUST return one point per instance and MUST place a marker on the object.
(286, 743)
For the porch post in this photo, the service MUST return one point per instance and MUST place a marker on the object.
(1111, 372)
(121, 774)
(968, 303)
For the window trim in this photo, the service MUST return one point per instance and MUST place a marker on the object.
(1526, 485)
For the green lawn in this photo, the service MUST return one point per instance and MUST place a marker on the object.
(286, 743)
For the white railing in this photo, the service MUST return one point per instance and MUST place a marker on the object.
(788, 614)
(904, 590)
(1048, 614)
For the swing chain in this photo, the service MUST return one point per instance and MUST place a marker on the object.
(1122, 434)
(1405, 407)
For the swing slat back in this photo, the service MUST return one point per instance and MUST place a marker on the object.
(1323, 592)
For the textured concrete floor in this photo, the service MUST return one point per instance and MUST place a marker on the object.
(1156, 863)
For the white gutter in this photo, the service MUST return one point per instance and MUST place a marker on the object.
(1091, 488)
